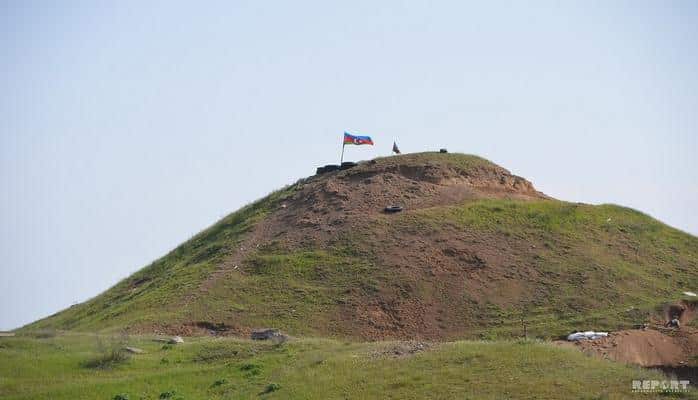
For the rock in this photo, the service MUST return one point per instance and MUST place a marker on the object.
(267, 334)
(589, 335)
(176, 340)
(134, 350)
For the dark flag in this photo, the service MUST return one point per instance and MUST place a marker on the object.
(395, 149)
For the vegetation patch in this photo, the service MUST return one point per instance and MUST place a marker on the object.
(463, 369)
(272, 387)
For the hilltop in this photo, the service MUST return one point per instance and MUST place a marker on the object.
(477, 252)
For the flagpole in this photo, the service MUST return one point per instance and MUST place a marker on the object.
(342, 158)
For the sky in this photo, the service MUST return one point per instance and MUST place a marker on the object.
(127, 127)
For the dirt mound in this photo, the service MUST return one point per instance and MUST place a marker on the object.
(684, 311)
(327, 202)
(647, 348)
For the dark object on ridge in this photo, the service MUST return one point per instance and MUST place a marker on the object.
(674, 323)
(267, 334)
(443, 151)
(331, 167)
(395, 149)
(320, 171)
(347, 165)
(392, 209)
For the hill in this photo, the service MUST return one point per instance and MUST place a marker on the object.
(477, 252)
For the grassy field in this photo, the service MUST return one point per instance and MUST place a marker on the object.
(75, 366)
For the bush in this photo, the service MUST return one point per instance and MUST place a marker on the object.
(107, 359)
(251, 369)
(121, 396)
(219, 382)
(272, 387)
(44, 334)
(110, 354)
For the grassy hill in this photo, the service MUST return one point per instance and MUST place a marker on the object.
(477, 253)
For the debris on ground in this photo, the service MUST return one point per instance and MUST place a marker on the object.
(683, 311)
(674, 323)
(401, 349)
(175, 340)
(392, 209)
(268, 334)
(588, 335)
(646, 348)
(134, 350)
(659, 343)
(347, 165)
(692, 294)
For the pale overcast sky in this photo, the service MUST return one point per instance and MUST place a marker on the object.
(128, 126)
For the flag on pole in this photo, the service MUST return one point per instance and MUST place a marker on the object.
(357, 140)
(395, 149)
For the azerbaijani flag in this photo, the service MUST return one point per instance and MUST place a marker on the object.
(353, 139)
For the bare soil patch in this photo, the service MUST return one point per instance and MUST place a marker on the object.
(647, 348)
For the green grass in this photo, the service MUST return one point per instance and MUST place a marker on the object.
(300, 290)
(463, 162)
(152, 294)
(601, 267)
(207, 368)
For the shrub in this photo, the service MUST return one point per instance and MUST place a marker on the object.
(120, 396)
(110, 354)
(44, 334)
(251, 369)
(219, 382)
(272, 387)
(107, 359)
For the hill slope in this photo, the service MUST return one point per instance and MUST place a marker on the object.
(476, 250)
